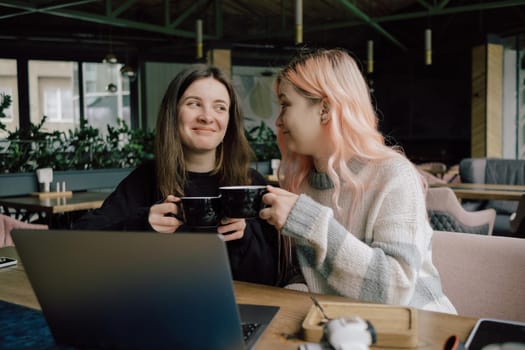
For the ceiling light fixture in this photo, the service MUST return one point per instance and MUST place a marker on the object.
(198, 38)
(428, 46)
(370, 56)
(110, 58)
(128, 71)
(298, 21)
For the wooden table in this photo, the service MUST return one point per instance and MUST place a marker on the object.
(272, 180)
(26, 206)
(485, 191)
(284, 331)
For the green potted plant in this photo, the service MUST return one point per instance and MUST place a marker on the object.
(82, 157)
(263, 141)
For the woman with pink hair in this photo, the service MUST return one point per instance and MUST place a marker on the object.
(353, 207)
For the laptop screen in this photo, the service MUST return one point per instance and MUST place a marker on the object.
(133, 289)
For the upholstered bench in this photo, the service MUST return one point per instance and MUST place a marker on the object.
(493, 171)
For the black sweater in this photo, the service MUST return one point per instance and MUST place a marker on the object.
(252, 258)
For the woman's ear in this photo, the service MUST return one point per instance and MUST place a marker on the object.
(325, 116)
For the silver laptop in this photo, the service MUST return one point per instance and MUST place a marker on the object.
(138, 290)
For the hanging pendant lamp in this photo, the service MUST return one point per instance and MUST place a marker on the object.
(428, 46)
(298, 22)
(198, 29)
(370, 56)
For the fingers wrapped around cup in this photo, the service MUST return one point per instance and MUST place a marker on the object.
(242, 201)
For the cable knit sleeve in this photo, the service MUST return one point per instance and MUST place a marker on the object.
(385, 255)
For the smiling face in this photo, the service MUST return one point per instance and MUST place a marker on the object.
(299, 120)
(203, 113)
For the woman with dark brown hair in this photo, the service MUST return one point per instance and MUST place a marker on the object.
(200, 145)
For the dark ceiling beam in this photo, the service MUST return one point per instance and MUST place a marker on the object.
(443, 3)
(424, 4)
(439, 11)
(188, 12)
(111, 17)
(30, 9)
(283, 16)
(435, 11)
(218, 19)
(119, 10)
(106, 19)
(167, 13)
(363, 16)
(108, 7)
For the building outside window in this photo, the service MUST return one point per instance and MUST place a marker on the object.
(54, 93)
(9, 86)
(106, 95)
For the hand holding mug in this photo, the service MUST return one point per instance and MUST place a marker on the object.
(279, 204)
(158, 218)
(232, 229)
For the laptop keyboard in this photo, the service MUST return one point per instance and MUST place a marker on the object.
(248, 329)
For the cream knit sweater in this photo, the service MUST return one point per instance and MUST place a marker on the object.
(386, 254)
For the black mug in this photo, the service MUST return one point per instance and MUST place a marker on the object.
(242, 201)
(200, 212)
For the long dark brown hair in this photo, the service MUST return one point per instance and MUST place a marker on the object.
(169, 151)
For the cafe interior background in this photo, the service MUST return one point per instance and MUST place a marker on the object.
(447, 76)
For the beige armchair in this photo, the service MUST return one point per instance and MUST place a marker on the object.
(446, 214)
(483, 276)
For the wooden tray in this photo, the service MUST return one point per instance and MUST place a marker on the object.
(43, 195)
(395, 326)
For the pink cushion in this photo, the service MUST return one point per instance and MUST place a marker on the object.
(7, 224)
(483, 276)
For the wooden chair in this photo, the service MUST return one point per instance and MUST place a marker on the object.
(446, 214)
(482, 275)
(437, 169)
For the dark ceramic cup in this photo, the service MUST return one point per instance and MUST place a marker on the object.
(200, 212)
(242, 201)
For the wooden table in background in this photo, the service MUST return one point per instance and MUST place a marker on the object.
(485, 191)
(272, 180)
(24, 207)
(284, 331)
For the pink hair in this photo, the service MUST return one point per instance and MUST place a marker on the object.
(333, 77)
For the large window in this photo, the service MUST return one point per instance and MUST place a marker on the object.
(53, 92)
(57, 99)
(106, 95)
(9, 86)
